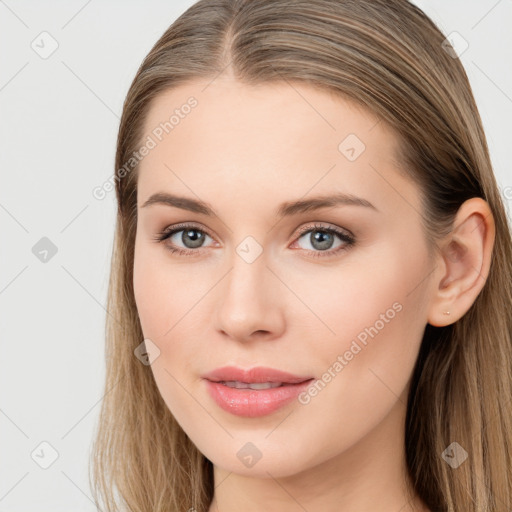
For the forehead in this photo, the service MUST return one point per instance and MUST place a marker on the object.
(255, 113)
(249, 137)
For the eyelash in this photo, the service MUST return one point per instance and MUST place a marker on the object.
(348, 240)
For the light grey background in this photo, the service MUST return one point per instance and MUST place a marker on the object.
(59, 120)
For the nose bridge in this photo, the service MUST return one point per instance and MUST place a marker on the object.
(247, 280)
(248, 299)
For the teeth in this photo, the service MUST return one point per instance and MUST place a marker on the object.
(254, 385)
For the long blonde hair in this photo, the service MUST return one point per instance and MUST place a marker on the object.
(388, 56)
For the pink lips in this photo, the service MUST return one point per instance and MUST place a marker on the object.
(254, 402)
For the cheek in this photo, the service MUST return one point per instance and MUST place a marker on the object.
(374, 312)
(354, 296)
(163, 300)
(147, 289)
(377, 314)
(164, 292)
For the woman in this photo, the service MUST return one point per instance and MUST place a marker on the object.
(310, 290)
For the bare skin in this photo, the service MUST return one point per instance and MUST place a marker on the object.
(245, 150)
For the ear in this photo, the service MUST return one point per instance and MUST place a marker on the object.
(464, 261)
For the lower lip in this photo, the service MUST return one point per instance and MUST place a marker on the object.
(252, 403)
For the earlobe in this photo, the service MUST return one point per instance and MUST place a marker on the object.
(466, 256)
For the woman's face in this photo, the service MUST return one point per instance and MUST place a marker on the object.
(346, 308)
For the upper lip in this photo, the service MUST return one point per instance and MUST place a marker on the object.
(253, 375)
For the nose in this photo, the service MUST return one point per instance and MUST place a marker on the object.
(248, 302)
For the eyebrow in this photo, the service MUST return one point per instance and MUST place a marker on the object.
(284, 210)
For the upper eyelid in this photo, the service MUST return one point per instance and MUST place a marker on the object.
(181, 227)
(317, 226)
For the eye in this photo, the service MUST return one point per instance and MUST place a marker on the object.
(322, 239)
(191, 236)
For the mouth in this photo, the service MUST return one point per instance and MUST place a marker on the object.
(256, 392)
